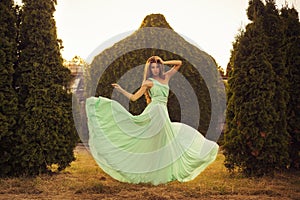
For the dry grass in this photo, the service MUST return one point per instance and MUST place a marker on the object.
(85, 180)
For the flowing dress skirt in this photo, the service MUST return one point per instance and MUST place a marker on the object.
(145, 148)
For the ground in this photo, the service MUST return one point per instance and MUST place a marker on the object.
(85, 180)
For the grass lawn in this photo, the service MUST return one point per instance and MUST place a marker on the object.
(85, 180)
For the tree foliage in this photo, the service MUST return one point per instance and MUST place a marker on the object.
(44, 134)
(292, 49)
(8, 97)
(256, 137)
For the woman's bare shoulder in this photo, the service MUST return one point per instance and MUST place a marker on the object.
(147, 83)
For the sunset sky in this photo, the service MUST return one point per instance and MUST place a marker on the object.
(84, 25)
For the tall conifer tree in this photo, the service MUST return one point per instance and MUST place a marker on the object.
(45, 121)
(273, 31)
(8, 97)
(252, 142)
(292, 48)
(230, 115)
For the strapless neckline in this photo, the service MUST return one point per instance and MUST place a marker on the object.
(159, 82)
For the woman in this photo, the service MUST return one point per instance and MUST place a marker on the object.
(146, 148)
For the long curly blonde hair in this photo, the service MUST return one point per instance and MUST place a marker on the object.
(148, 73)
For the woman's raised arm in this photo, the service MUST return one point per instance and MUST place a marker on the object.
(176, 66)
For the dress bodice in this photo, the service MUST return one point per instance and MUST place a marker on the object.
(159, 92)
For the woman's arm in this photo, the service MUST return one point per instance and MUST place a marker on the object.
(138, 94)
(176, 66)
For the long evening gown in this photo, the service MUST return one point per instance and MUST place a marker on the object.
(146, 148)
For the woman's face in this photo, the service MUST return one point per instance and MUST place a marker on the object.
(155, 69)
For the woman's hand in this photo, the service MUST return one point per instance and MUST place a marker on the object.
(117, 86)
(160, 59)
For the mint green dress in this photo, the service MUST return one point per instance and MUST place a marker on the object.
(146, 148)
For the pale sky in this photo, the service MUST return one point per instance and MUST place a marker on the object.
(84, 25)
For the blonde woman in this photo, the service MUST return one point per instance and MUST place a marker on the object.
(146, 148)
